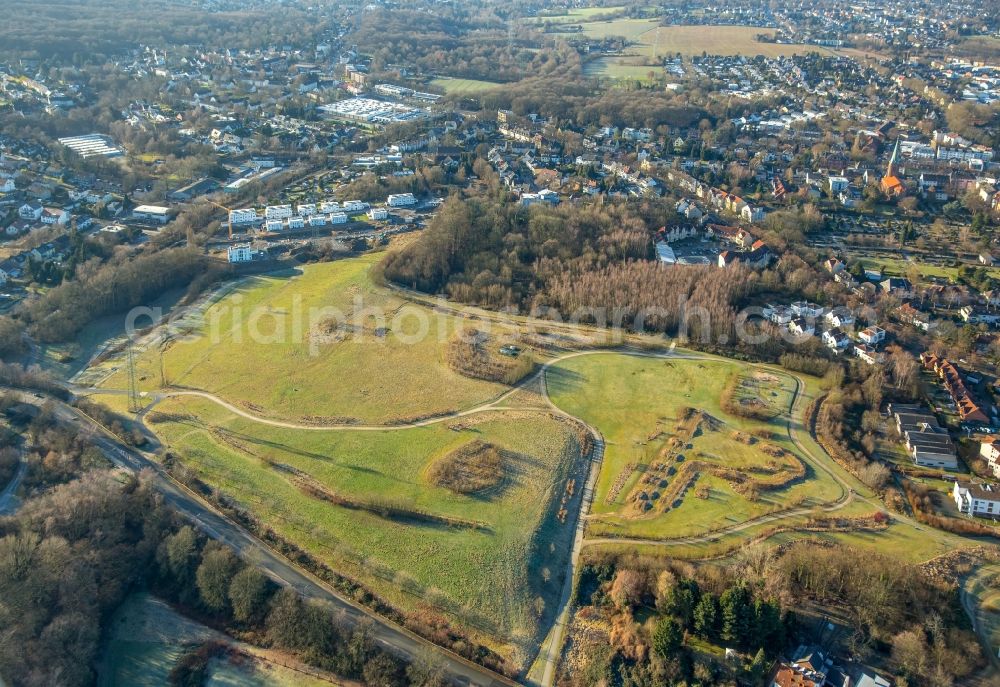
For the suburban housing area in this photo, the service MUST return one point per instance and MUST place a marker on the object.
(571, 343)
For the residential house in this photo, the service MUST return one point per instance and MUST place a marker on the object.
(907, 314)
(840, 317)
(980, 500)
(897, 286)
(30, 211)
(836, 340)
(805, 309)
(278, 211)
(976, 315)
(990, 450)
(872, 336)
(833, 265)
(966, 406)
(927, 443)
(759, 257)
(868, 354)
(800, 326)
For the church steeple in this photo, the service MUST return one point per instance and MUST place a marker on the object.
(891, 185)
(891, 170)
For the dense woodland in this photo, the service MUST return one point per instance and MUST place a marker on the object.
(102, 289)
(890, 613)
(588, 262)
(82, 31)
(87, 537)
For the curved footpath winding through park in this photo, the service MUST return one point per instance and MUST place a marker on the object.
(551, 647)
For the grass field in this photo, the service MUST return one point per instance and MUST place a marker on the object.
(463, 86)
(620, 68)
(364, 501)
(578, 14)
(899, 267)
(486, 577)
(901, 540)
(274, 345)
(636, 403)
(649, 40)
(147, 638)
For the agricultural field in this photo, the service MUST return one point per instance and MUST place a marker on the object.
(463, 86)
(578, 14)
(374, 505)
(321, 346)
(630, 29)
(677, 464)
(650, 40)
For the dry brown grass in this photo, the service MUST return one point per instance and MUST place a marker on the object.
(469, 469)
(474, 354)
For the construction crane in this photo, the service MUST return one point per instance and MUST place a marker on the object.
(229, 215)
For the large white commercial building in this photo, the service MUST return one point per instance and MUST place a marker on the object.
(152, 213)
(370, 111)
(91, 145)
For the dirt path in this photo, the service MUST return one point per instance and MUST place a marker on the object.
(973, 608)
(551, 648)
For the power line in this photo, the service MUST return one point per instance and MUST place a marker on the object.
(134, 403)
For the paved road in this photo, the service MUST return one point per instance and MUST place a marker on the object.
(217, 526)
(8, 502)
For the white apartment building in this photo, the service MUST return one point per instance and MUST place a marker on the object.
(378, 214)
(241, 252)
(278, 211)
(355, 206)
(990, 450)
(243, 216)
(398, 200)
(977, 499)
(296, 223)
(317, 220)
(328, 206)
(338, 218)
(306, 209)
(274, 225)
